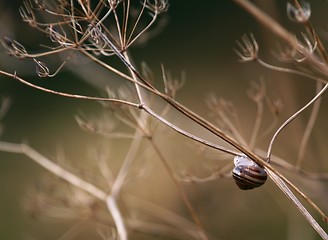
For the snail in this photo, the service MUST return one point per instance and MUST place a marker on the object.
(248, 174)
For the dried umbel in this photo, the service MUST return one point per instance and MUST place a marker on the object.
(14, 48)
(106, 28)
(300, 13)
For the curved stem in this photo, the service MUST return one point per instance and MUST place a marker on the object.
(276, 28)
(187, 134)
(288, 70)
(69, 95)
(181, 191)
(257, 124)
(298, 204)
(53, 167)
(309, 128)
(291, 118)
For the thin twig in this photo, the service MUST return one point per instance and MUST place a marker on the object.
(275, 27)
(53, 168)
(309, 128)
(291, 118)
(292, 71)
(181, 191)
(69, 95)
(298, 204)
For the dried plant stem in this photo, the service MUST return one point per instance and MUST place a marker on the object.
(134, 76)
(53, 167)
(277, 161)
(164, 162)
(299, 205)
(257, 124)
(150, 227)
(235, 132)
(207, 125)
(275, 27)
(224, 172)
(165, 215)
(72, 179)
(74, 230)
(181, 191)
(202, 122)
(112, 206)
(313, 33)
(315, 110)
(309, 127)
(114, 100)
(106, 66)
(291, 118)
(119, 101)
(187, 134)
(291, 71)
(111, 200)
(90, 188)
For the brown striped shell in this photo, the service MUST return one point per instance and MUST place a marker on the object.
(247, 174)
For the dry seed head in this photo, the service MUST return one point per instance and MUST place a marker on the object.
(249, 48)
(299, 14)
(114, 3)
(41, 69)
(310, 48)
(285, 53)
(159, 6)
(14, 48)
(218, 105)
(257, 91)
(275, 105)
(57, 37)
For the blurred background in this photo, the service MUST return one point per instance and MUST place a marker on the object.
(197, 39)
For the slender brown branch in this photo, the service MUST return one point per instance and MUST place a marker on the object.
(53, 168)
(291, 118)
(309, 128)
(114, 100)
(275, 27)
(181, 191)
(282, 185)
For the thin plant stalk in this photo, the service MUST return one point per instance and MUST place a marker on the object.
(276, 28)
(309, 128)
(257, 124)
(181, 191)
(315, 110)
(291, 118)
(282, 185)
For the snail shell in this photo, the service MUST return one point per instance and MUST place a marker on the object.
(248, 174)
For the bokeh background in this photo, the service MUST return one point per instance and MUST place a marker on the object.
(198, 40)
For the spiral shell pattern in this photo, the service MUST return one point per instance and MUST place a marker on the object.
(247, 174)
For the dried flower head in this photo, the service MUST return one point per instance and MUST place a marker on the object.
(14, 48)
(300, 13)
(219, 105)
(27, 14)
(249, 48)
(310, 48)
(289, 53)
(57, 36)
(41, 69)
(172, 86)
(285, 53)
(257, 91)
(275, 105)
(159, 6)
